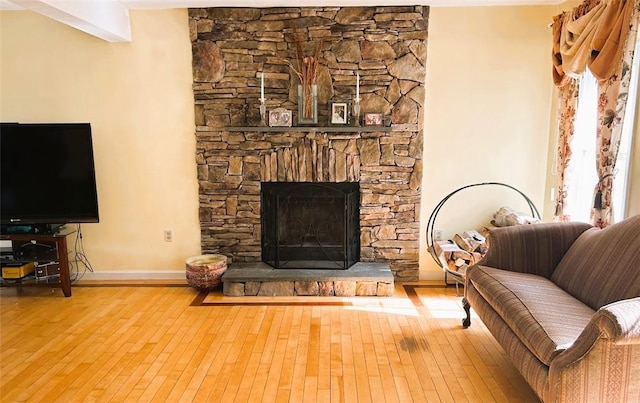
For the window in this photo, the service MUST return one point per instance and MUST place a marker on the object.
(581, 174)
(621, 180)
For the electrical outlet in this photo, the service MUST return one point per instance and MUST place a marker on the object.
(168, 235)
(437, 234)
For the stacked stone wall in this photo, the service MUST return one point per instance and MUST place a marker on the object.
(385, 45)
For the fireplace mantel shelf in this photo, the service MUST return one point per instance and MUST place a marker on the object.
(321, 129)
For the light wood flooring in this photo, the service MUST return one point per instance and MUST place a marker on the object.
(148, 343)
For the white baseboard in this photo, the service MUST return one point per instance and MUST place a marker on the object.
(133, 275)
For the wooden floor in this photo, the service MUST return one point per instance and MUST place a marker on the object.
(148, 343)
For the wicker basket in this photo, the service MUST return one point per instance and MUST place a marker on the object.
(204, 272)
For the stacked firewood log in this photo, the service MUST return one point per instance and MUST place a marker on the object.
(467, 249)
(463, 250)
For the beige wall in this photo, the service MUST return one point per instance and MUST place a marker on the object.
(137, 97)
(487, 105)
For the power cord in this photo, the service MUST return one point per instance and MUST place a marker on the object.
(80, 258)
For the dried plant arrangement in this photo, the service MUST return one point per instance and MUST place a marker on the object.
(306, 70)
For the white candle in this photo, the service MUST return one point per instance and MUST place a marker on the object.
(262, 87)
(357, 86)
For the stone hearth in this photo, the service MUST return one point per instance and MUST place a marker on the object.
(260, 279)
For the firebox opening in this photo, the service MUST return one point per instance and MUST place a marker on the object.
(310, 225)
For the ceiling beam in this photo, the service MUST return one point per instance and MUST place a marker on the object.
(106, 19)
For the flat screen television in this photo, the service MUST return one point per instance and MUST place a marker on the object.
(47, 176)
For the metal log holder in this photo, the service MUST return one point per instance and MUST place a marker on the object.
(459, 277)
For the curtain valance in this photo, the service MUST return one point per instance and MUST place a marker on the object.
(592, 35)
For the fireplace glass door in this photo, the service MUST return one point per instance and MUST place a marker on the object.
(310, 225)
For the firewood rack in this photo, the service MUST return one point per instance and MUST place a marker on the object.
(459, 276)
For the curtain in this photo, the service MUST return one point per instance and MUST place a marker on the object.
(612, 100)
(592, 35)
(567, 106)
(599, 35)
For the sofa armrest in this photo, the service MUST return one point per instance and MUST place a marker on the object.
(619, 321)
(535, 249)
(606, 356)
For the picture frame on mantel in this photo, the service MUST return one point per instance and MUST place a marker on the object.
(280, 117)
(373, 119)
(339, 113)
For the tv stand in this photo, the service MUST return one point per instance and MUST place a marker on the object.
(48, 251)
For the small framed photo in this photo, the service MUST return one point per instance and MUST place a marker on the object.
(280, 117)
(339, 113)
(373, 119)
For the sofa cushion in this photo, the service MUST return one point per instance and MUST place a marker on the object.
(543, 316)
(536, 249)
(603, 265)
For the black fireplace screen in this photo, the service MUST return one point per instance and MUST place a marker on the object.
(310, 225)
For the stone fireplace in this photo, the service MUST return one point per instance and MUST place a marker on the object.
(235, 156)
(310, 225)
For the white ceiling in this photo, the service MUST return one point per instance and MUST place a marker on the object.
(109, 19)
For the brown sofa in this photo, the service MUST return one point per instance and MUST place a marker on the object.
(563, 300)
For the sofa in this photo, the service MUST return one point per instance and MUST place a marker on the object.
(563, 301)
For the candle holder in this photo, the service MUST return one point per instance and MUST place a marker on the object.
(263, 112)
(356, 111)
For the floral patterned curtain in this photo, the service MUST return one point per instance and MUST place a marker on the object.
(567, 106)
(600, 35)
(612, 101)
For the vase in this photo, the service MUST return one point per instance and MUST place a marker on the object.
(307, 104)
(356, 112)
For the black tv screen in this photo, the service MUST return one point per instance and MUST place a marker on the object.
(47, 174)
